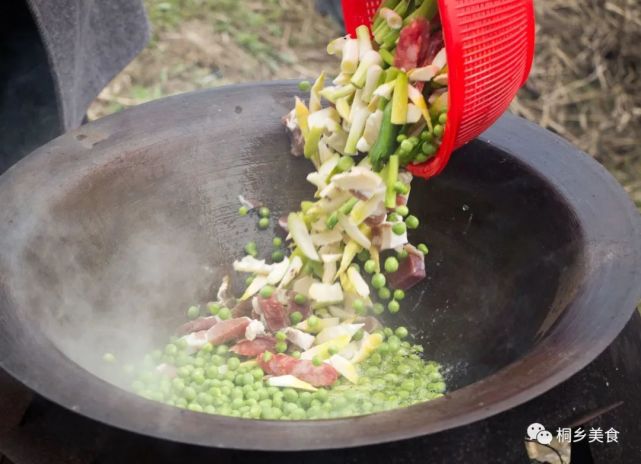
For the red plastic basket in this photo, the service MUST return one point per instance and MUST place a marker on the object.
(489, 46)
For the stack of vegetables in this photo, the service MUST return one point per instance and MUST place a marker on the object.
(303, 340)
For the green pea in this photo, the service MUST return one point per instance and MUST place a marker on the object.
(251, 249)
(402, 210)
(393, 306)
(428, 149)
(378, 309)
(438, 130)
(233, 363)
(359, 307)
(291, 395)
(378, 280)
(296, 354)
(304, 86)
(295, 317)
(438, 387)
(363, 256)
(442, 118)
(332, 350)
(224, 313)
(399, 228)
(267, 356)
(193, 312)
(278, 256)
(399, 295)
(369, 266)
(411, 222)
(358, 335)
(263, 212)
(401, 332)
(263, 223)
(400, 187)
(243, 210)
(213, 308)
(345, 163)
(401, 137)
(281, 347)
(391, 264)
(384, 293)
(406, 146)
(300, 299)
(266, 291)
(222, 349)
(280, 336)
(277, 241)
(423, 248)
(316, 361)
(257, 373)
(313, 321)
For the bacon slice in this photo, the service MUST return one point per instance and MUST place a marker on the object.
(412, 44)
(254, 347)
(274, 312)
(225, 331)
(410, 272)
(305, 309)
(303, 369)
(202, 323)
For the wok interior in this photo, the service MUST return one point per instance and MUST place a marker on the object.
(121, 254)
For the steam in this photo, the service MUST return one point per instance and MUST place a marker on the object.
(97, 281)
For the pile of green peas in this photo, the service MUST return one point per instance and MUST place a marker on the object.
(216, 381)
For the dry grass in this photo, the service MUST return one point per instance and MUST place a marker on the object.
(585, 84)
(586, 81)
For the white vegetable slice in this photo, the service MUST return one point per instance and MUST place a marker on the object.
(331, 333)
(326, 293)
(329, 205)
(371, 81)
(295, 265)
(342, 79)
(254, 329)
(349, 63)
(299, 338)
(258, 283)
(350, 350)
(331, 258)
(327, 237)
(385, 90)
(413, 113)
(441, 79)
(358, 178)
(302, 285)
(329, 272)
(301, 237)
(324, 152)
(327, 118)
(252, 265)
(289, 381)
(322, 324)
(341, 313)
(353, 231)
(358, 282)
(440, 60)
(388, 239)
(322, 350)
(364, 209)
(423, 74)
(336, 46)
(344, 367)
(278, 271)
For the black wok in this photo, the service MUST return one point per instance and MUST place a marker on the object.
(108, 233)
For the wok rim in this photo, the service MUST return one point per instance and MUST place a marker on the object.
(511, 135)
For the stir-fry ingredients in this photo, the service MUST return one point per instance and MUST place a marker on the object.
(302, 340)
